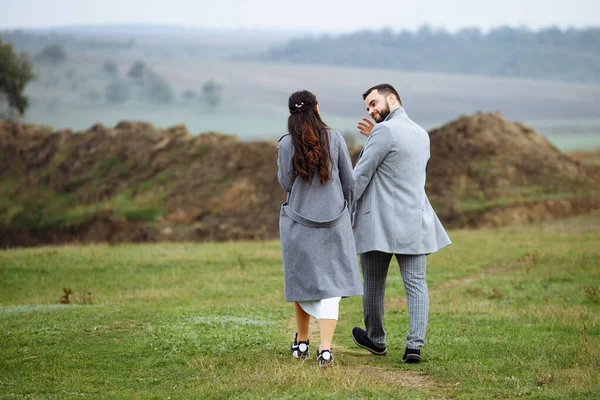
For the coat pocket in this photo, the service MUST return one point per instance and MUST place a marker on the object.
(408, 227)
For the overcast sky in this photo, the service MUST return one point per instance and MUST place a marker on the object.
(315, 15)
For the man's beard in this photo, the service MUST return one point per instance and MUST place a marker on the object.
(384, 113)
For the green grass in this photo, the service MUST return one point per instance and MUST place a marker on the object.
(41, 207)
(477, 202)
(145, 206)
(515, 313)
(201, 151)
(109, 164)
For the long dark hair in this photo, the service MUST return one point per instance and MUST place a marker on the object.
(309, 136)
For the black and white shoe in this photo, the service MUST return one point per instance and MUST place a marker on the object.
(299, 349)
(325, 358)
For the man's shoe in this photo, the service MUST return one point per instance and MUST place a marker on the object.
(361, 339)
(325, 358)
(411, 356)
(299, 349)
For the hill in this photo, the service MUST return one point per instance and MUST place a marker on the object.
(137, 183)
(552, 53)
(134, 183)
(487, 171)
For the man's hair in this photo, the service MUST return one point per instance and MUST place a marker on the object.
(385, 89)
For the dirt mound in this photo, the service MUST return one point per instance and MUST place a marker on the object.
(487, 171)
(134, 182)
(137, 183)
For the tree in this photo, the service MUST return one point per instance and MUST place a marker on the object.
(116, 92)
(53, 54)
(138, 70)
(15, 74)
(188, 94)
(110, 68)
(157, 90)
(551, 53)
(212, 92)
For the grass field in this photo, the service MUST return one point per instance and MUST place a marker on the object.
(515, 313)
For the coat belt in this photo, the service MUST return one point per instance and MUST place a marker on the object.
(293, 215)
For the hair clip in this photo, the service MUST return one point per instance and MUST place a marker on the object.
(299, 105)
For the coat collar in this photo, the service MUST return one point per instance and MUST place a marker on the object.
(397, 112)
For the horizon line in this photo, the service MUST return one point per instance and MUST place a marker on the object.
(207, 29)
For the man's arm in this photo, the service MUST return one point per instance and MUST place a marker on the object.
(345, 168)
(377, 147)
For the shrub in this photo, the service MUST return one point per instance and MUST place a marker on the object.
(157, 90)
(52, 54)
(138, 70)
(110, 68)
(116, 92)
(189, 94)
(15, 74)
(212, 92)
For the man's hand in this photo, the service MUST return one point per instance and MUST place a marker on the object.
(365, 126)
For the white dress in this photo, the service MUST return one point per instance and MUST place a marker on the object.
(322, 309)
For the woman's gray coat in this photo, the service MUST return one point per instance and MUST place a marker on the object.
(317, 243)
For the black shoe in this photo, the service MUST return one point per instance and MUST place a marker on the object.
(361, 339)
(299, 349)
(411, 356)
(325, 358)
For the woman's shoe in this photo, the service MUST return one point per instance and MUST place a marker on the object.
(325, 358)
(299, 349)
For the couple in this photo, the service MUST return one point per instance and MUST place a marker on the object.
(333, 212)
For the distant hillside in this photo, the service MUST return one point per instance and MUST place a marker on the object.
(145, 41)
(157, 30)
(136, 183)
(555, 54)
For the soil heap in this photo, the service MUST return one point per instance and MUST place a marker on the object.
(137, 183)
(487, 171)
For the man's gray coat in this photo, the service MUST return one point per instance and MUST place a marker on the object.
(393, 214)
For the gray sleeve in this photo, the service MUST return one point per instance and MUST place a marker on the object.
(377, 147)
(345, 168)
(284, 165)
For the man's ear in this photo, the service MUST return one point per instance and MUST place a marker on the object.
(392, 99)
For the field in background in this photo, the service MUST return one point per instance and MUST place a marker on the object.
(254, 98)
(575, 141)
(515, 312)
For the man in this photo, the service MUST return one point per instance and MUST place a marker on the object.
(393, 217)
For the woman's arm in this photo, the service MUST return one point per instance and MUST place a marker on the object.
(284, 163)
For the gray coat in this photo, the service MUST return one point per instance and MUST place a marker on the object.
(319, 255)
(393, 213)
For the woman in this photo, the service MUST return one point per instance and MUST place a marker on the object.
(319, 254)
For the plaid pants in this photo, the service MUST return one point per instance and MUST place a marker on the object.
(375, 266)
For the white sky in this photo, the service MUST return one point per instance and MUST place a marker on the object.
(305, 15)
